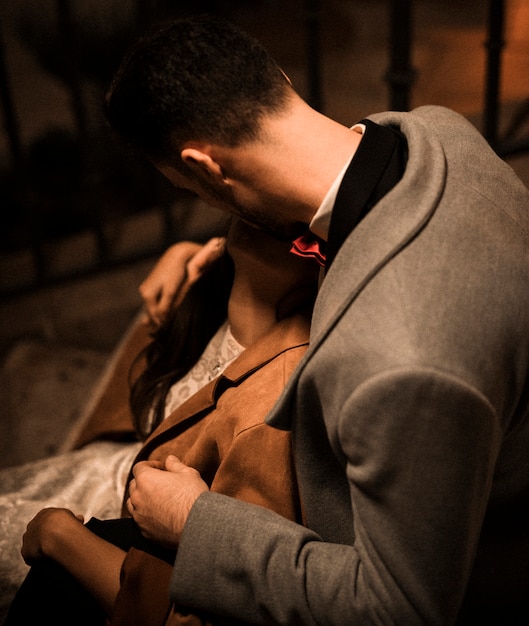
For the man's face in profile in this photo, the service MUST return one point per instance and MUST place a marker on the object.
(251, 207)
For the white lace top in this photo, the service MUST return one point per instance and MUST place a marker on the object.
(219, 353)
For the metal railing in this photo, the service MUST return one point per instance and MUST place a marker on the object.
(98, 191)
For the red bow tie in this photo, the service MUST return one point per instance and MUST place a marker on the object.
(310, 246)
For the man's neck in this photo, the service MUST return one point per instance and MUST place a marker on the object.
(300, 154)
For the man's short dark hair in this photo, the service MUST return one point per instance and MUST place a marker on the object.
(199, 78)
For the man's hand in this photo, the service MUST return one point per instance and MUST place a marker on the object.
(160, 500)
(178, 268)
(38, 541)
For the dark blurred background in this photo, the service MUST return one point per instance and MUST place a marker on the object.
(82, 222)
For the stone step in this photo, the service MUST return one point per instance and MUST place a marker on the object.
(44, 387)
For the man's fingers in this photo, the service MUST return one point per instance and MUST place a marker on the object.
(130, 507)
(142, 465)
(173, 464)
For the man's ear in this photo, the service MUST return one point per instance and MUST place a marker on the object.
(201, 163)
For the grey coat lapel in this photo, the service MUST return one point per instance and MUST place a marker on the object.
(386, 230)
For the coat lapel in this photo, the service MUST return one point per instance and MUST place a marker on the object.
(390, 225)
(287, 334)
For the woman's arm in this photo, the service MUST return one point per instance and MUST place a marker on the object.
(178, 268)
(59, 535)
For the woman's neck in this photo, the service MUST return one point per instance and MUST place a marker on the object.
(251, 313)
(269, 283)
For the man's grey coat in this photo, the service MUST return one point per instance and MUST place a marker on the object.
(409, 414)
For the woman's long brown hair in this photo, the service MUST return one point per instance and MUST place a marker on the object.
(177, 345)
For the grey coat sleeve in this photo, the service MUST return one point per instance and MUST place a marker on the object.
(420, 451)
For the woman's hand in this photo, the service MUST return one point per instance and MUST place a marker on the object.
(61, 536)
(178, 268)
(40, 539)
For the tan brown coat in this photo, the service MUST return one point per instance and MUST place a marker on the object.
(220, 431)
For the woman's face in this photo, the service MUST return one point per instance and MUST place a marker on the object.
(248, 244)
